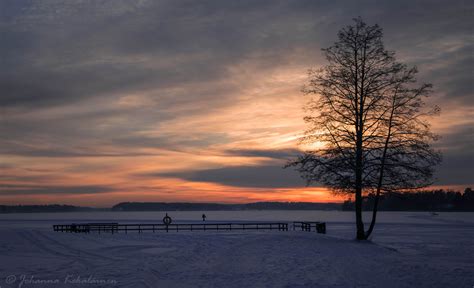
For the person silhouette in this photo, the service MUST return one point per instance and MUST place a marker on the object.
(203, 217)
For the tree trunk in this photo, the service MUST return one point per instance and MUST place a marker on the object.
(358, 180)
(382, 168)
(374, 215)
(358, 190)
(359, 101)
(358, 210)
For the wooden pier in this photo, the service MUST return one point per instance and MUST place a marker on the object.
(125, 228)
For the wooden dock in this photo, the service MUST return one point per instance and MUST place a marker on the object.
(125, 228)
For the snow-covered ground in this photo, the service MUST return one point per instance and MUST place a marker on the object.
(407, 250)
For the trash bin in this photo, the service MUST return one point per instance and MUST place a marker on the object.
(321, 228)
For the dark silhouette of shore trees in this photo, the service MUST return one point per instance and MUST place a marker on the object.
(434, 200)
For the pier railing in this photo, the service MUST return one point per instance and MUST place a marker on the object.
(116, 228)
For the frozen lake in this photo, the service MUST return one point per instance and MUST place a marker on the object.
(37, 219)
(408, 249)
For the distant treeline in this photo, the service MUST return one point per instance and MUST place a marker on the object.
(42, 208)
(435, 200)
(161, 206)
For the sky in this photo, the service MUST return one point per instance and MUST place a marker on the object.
(109, 101)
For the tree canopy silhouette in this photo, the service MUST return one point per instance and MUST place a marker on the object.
(368, 120)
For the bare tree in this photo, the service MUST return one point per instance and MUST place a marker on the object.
(369, 120)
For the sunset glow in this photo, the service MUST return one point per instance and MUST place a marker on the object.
(167, 107)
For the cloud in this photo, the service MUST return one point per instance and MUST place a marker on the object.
(458, 156)
(455, 169)
(61, 153)
(7, 189)
(242, 176)
(279, 154)
(212, 81)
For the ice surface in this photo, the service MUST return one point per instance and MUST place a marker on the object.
(408, 249)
